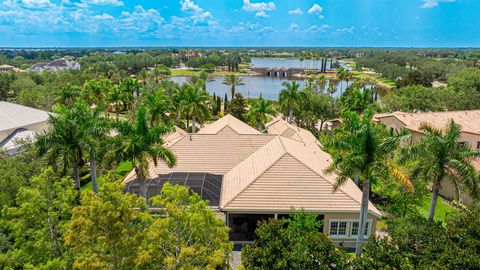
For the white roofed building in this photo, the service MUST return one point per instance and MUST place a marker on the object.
(19, 122)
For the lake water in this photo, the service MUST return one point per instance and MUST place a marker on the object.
(269, 86)
(254, 85)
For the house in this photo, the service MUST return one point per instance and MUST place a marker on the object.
(249, 176)
(56, 65)
(19, 122)
(9, 69)
(469, 122)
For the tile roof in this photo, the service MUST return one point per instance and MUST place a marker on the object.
(286, 173)
(236, 125)
(282, 127)
(468, 120)
(14, 116)
(261, 171)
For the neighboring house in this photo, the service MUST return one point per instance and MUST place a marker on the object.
(19, 122)
(55, 65)
(9, 69)
(469, 122)
(249, 176)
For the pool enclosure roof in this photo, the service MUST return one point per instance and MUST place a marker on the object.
(207, 185)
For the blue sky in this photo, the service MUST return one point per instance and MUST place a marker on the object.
(373, 23)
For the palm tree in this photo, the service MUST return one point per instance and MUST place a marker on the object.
(438, 155)
(233, 81)
(196, 104)
(116, 96)
(341, 76)
(138, 142)
(289, 96)
(362, 147)
(94, 131)
(158, 105)
(143, 75)
(68, 94)
(259, 111)
(321, 82)
(204, 78)
(131, 87)
(61, 144)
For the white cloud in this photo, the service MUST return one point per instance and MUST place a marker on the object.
(318, 28)
(201, 17)
(317, 10)
(434, 3)
(260, 6)
(190, 6)
(293, 27)
(261, 14)
(37, 3)
(345, 30)
(104, 16)
(296, 11)
(104, 2)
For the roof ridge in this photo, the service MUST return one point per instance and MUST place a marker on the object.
(259, 175)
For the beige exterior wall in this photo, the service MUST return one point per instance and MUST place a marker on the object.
(348, 242)
(392, 122)
(447, 189)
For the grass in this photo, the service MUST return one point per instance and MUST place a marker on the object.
(441, 211)
(122, 169)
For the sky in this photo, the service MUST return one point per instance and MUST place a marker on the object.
(240, 23)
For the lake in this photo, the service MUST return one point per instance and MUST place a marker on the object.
(254, 85)
(269, 86)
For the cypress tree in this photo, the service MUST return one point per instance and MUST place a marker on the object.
(225, 103)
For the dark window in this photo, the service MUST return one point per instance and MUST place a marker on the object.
(243, 226)
(478, 145)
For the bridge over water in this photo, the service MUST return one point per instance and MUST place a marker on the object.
(277, 72)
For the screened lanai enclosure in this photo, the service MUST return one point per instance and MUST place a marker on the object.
(207, 185)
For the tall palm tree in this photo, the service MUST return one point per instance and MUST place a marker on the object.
(438, 155)
(131, 88)
(204, 78)
(138, 142)
(143, 75)
(362, 147)
(158, 105)
(94, 131)
(259, 111)
(196, 104)
(341, 76)
(289, 97)
(321, 82)
(234, 81)
(61, 144)
(116, 96)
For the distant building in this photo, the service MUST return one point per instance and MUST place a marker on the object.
(9, 69)
(55, 65)
(19, 122)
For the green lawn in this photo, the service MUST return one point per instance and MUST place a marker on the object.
(122, 170)
(441, 210)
